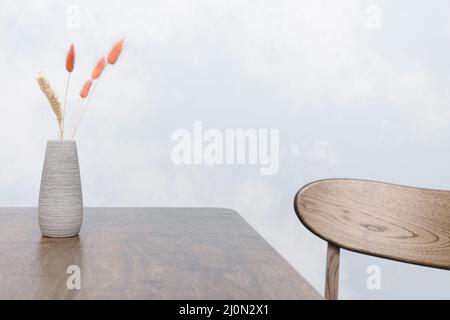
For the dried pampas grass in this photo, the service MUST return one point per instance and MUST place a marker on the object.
(86, 91)
(51, 96)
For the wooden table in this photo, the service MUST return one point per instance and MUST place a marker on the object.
(145, 253)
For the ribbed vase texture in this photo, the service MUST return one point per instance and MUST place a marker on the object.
(60, 198)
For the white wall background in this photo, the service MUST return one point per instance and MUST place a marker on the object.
(351, 99)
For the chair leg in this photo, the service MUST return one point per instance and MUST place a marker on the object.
(332, 272)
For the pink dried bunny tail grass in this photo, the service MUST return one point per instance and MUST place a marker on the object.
(98, 70)
(70, 59)
(85, 90)
(115, 52)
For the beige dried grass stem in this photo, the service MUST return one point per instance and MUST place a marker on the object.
(51, 97)
(82, 110)
(70, 64)
(84, 93)
(95, 77)
(64, 107)
(76, 116)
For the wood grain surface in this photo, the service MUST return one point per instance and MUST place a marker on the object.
(395, 222)
(332, 272)
(145, 253)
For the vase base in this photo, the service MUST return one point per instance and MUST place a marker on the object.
(60, 236)
(67, 234)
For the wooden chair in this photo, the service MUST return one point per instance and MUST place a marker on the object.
(390, 221)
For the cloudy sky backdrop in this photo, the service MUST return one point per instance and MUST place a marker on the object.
(358, 89)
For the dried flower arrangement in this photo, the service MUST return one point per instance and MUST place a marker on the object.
(85, 93)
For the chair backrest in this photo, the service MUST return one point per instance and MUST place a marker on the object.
(390, 221)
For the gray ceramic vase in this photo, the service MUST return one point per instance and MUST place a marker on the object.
(60, 198)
